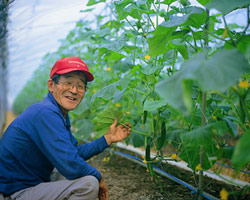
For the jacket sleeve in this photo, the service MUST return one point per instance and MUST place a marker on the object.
(55, 142)
(93, 148)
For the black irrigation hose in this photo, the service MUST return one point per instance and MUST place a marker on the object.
(163, 173)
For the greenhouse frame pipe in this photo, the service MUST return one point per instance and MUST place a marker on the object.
(162, 173)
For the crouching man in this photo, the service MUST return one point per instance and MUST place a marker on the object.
(39, 140)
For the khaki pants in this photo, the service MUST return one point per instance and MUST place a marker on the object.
(84, 188)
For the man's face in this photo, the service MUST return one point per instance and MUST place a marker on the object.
(69, 91)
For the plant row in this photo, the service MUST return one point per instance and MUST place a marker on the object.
(178, 73)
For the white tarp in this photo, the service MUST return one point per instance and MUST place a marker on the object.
(34, 29)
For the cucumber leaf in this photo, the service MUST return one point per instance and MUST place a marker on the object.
(105, 119)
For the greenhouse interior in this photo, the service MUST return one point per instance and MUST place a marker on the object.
(150, 98)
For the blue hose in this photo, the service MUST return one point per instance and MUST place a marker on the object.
(232, 168)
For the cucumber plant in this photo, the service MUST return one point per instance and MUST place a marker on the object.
(178, 73)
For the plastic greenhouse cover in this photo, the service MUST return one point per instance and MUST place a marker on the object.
(34, 29)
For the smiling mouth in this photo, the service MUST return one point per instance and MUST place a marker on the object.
(71, 98)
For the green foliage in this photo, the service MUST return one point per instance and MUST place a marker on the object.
(178, 74)
(93, 2)
(216, 72)
(230, 5)
(151, 106)
(85, 128)
(193, 140)
(241, 155)
(104, 119)
(203, 2)
(191, 147)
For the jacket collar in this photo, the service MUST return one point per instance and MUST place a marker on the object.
(53, 101)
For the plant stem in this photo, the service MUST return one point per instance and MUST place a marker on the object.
(237, 116)
(173, 62)
(244, 107)
(191, 45)
(143, 93)
(134, 51)
(142, 133)
(194, 112)
(151, 22)
(248, 24)
(217, 37)
(222, 95)
(203, 117)
(157, 9)
(203, 120)
(195, 44)
(131, 25)
(246, 110)
(229, 33)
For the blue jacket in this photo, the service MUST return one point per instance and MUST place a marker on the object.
(37, 141)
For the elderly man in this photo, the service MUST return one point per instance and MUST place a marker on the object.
(39, 140)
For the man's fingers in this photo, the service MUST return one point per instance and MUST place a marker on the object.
(107, 195)
(115, 123)
(128, 125)
(125, 125)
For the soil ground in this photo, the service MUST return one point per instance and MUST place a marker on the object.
(129, 181)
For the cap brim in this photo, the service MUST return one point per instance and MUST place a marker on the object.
(89, 76)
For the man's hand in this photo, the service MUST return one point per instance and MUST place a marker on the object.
(117, 133)
(103, 190)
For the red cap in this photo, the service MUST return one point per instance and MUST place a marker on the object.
(70, 64)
